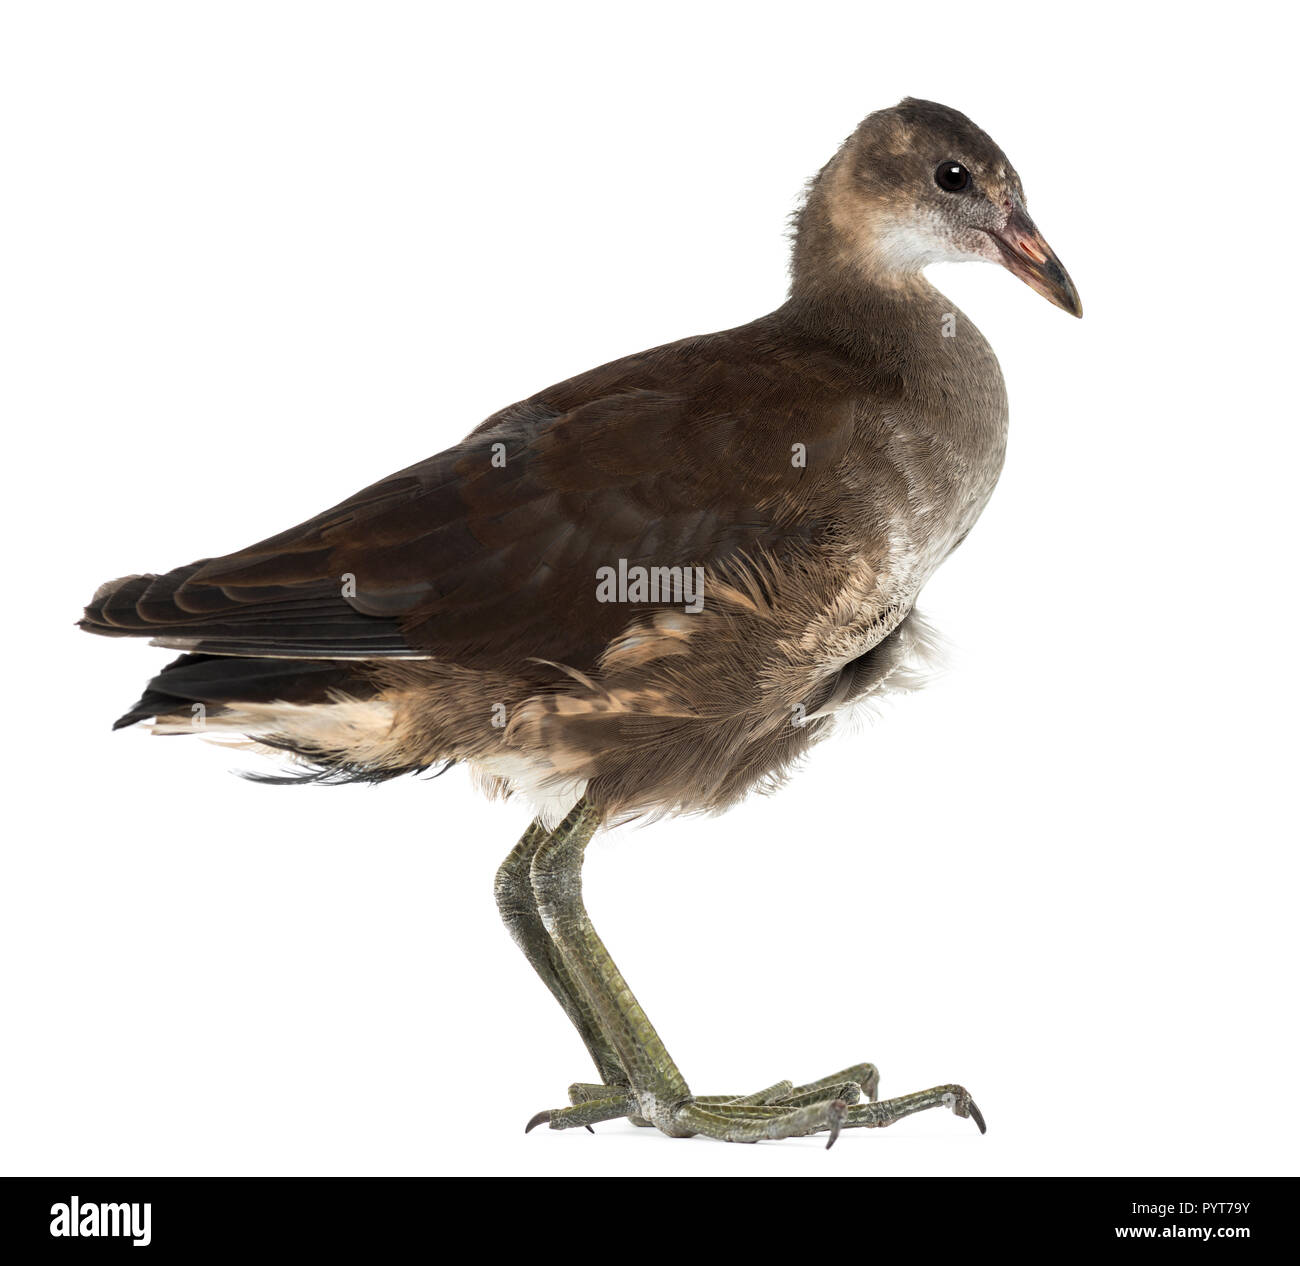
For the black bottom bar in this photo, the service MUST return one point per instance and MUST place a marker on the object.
(362, 1217)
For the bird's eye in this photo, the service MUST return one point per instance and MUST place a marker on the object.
(952, 176)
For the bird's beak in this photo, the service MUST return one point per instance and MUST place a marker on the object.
(1025, 253)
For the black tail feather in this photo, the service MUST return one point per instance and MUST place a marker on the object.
(216, 681)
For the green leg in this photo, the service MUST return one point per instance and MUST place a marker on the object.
(650, 1086)
(518, 907)
(557, 884)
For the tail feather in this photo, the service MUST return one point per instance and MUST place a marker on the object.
(216, 681)
(180, 609)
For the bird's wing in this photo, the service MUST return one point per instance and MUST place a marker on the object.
(490, 550)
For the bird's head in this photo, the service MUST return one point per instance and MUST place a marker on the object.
(920, 183)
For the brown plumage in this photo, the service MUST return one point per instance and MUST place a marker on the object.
(816, 464)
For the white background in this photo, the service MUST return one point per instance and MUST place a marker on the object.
(258, 255)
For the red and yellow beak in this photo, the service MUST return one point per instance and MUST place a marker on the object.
(1025, 253)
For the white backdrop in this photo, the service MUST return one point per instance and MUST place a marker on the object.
(258, 255)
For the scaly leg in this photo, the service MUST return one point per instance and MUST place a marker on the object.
(518, 907)
(610, 1099)
(657, 1091)
(649, 1085)
(557, 885)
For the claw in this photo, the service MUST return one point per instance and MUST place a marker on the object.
(977, 1116)
(540, 1119)
(837, 1110)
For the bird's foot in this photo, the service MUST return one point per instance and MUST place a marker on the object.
(780, 1111)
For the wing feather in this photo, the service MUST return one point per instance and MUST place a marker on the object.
(490, 550)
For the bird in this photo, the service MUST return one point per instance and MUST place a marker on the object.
(647, 590)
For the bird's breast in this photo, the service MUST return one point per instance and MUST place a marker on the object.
(933, 459)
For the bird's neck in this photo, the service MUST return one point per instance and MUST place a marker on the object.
(869, 320)
(852, 268)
